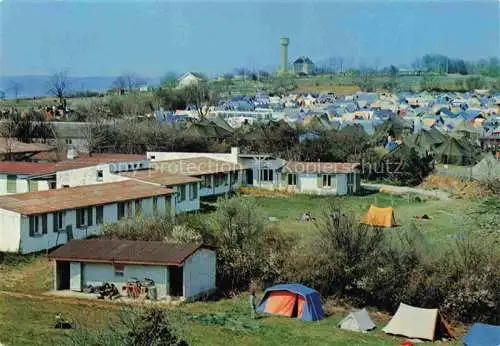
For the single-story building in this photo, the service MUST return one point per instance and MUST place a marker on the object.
(36, 221)
(321, 178)
(18, 177)
(263, 170)
(178, 270)
(187, 196)
(217, 177)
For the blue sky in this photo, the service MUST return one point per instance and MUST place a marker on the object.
(150, 38)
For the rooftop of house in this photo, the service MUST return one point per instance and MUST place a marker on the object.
(27, 168)
(32, 203)
(10, 145)
(197, 166)
(126, 251)
(157, 176)
(320, 167)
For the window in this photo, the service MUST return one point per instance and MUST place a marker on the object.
(11, 183)
(195, 190)
(119, 269)
(44, 223)
(328, 180)
(129, 209)
(234, 178)
(137, 207)
(32, 185)
(58, 221)
(100, 175)
(68, 141)
(121, 211)
(181, 193)
(80, 218)
(155, 205)
(206, 181)
(292, 179)
(153, 157)
(99, 214)
(267, 175)
(90, 217)
(220, 179)
(52, 185)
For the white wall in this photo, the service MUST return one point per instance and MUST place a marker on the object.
(21, 184)
(10, 223)
(28, 244)
(96, 274)
(164, 156)
(199, 273)
(86, 176)
(342, 184)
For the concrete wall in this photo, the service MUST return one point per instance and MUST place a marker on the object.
(10, 223)
(21, 184)
(96, 274)
(86, 176)
(164, 156)
(199, 273)
(28, 244)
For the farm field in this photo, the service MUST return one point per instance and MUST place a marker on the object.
(27, 314)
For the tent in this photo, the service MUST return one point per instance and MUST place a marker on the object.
(419, 323)
(481, 334)
(292, 300)
(357, 321)
(379, 217)
(487, 169)
(453, 151)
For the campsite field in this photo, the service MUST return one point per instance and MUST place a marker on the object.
(26, 314)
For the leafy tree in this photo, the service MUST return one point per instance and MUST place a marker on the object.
(429, 82)
(474, 83)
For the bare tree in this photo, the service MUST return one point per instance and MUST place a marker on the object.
(15, 87)
(127, 81)
(200, 96)
(59, 86)
(95, 130)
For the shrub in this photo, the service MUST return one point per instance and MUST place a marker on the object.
(152, 228)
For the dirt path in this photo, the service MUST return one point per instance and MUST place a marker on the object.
(441, 195)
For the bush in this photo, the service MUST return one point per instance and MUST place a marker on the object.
(153, 228)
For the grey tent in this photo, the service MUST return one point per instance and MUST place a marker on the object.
(357, 321)
(487, 169)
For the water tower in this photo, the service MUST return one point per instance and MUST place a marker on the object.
(284, 41)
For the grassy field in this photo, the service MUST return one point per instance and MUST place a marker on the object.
(26, 314)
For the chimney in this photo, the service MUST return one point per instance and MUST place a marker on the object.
(235, 152)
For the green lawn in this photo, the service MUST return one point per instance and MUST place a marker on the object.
(27, 320)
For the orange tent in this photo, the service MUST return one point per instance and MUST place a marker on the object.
(379, 217)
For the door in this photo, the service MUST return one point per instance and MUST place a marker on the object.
(75, 283)
(63, 273)
(249, 177)
(175, 278)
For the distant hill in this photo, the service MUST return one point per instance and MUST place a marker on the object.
(30, 86)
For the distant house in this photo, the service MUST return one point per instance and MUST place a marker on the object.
(321, 178)
(303, 65)
(37, 221)
(190, 78)
(185, 271)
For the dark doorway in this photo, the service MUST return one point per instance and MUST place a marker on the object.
(176, 281)
(249, 179)
(295, 310)
(63, 275)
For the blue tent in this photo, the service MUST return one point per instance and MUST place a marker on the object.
(292, 300)
(481, 334)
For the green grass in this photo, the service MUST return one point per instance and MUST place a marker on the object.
(447, 217)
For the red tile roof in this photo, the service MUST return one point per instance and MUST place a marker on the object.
(29, 168)
(320, 167)
(81, 196)
(126, 251)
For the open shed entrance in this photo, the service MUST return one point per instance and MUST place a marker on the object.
(62, 272)
(176, 282)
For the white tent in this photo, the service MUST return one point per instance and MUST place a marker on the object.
(412, 322)
(357, 321)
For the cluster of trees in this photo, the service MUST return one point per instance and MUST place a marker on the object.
(342, 259)
(443, 64)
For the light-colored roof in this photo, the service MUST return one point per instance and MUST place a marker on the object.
(320, 167)
(10, 145)
(78, 197)
(197, 166)
(160, 177)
